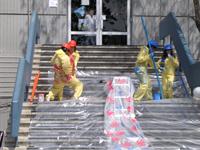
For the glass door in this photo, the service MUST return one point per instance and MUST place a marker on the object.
(99, 22)
(82, 21)
(115, 19)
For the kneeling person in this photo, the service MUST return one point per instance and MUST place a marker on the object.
(64, 67)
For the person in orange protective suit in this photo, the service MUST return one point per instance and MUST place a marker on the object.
(167, 66)
(64, 67)
(143, 61)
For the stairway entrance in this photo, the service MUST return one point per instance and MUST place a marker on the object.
(79, 125)
(111, 22)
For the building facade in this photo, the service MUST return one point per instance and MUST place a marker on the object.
(117, 22)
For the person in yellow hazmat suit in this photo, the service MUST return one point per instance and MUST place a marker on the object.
(64, 67)
(73, 45)
(167, 65)
(143, 61)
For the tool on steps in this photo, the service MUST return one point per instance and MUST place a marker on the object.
(36, 79)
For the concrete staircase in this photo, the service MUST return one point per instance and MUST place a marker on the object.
(69, 125)
(8, 69)
(169, 125)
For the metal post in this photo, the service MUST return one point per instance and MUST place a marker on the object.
(151, 51)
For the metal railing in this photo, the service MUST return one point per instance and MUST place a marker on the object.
(169, 26)
(152, 56)
(1, 139)
(23, 77)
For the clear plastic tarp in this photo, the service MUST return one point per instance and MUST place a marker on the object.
(113, 121)
(121, 126)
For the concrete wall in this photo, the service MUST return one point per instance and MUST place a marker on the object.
(15, 16)
(155, 10)
(13, 26)
(53, 21)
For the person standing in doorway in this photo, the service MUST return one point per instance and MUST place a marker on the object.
(90, 25)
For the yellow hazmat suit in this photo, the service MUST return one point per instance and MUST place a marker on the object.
(143, 61)
(168, 73)
(76, 56)
(64, 76)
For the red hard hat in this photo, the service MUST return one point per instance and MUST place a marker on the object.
(73, 43)
(66, 45)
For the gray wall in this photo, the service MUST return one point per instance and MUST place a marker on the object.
(13, 26)
(15, 15)
(14, 20)
(53, 21)
(155, 10)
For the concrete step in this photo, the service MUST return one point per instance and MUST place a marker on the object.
(95, 48)
(178, 103)
(171, 102)
(7, 80)
(70, 93)
(5, 94)
(85, 148)
(65, 137)
(8, 64)
(5, 101)
(8, 70)
(169, 147)
(119, 58)
(90, 63)
(53, 132)
(7, 75)
(9, 84)
(155, 123)
(58, 46)
(9, 58)
(150, 128)
(99, 52)
(6, 89)
(170, 128)
(171, 115)
(89, 73)
(89, 106)
(94, 68)
(156, 144)
(81, 123)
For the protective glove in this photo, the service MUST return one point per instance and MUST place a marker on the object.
(68, 77)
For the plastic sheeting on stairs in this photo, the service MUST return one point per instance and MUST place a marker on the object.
(120, 125)
(67, 125)
(171, 123)
(80, 124)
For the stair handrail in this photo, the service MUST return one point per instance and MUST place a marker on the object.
(23, 76)
(169, 26)
(152, 56)
(1, 138)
